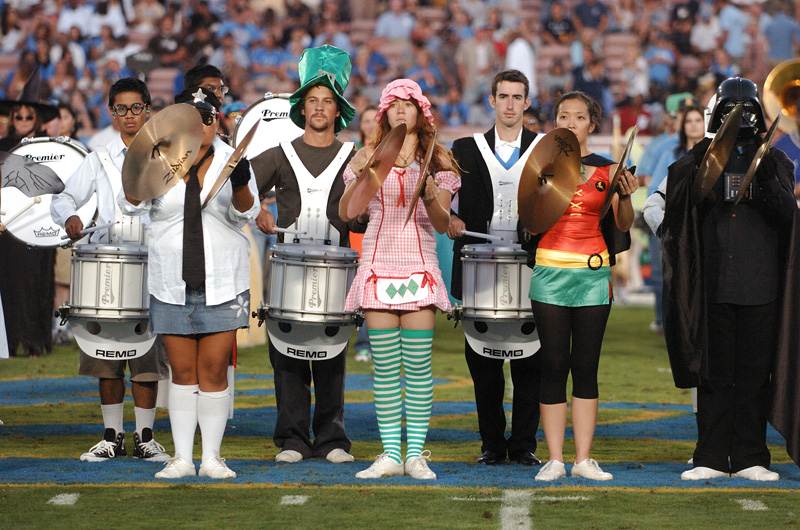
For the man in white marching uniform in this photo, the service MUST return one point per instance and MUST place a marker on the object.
(100, 174)
(491, 165)
(307, 176)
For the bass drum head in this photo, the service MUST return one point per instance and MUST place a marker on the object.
(35, 226)
(273, 112)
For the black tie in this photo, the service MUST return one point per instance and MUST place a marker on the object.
(194, 257)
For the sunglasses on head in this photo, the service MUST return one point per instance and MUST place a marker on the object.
(121, 110)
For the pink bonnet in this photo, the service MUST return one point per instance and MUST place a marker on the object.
(404, 89)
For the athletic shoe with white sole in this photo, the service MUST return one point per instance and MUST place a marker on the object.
(177, 467)
(111, 446)
(417, 467)
(288, 456)
(552, 470)
(702, 473)
(363, 356)
(758, 473)
(383, 466)
(147, 448)
(339, 456)
(216, 468)
(590, 469)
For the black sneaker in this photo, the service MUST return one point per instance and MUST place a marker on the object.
(147, 448)
(111, 446)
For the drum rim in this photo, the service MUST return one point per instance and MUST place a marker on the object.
(266, 97)
(105, 248)
(63, 140)
(303, 249)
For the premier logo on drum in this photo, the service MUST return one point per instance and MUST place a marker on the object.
(115, 354)
(47, 232)
(269, 114)
(46, 158)
(108, 285)
(315, 300)
(505, 284)
(502, 354)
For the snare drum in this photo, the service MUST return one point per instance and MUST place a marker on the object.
(109, 282)
(495, 283)
(309, 283)
(273, 112)
(35, 226)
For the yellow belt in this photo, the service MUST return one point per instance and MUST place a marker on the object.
(571, 260)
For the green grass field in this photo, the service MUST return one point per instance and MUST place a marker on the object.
(633, 369)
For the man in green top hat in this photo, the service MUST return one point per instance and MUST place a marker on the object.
(307, 176)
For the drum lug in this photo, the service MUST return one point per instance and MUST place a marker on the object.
(455, 315)
(359, 319)
(261, 313)
(63, 312)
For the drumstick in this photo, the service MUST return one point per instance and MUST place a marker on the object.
(482, 236)
(36, 200)
(290, 231)
(92, 229)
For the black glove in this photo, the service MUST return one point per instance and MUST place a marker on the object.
(699, 150)
(767, 169)
(240, 175)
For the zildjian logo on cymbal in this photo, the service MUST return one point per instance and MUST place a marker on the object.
(563, 145)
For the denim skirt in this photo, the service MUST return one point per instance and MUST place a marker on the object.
(195, 317)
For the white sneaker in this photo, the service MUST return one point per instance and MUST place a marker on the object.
(590, 469)
(216, 468)
(111, 446)
(288, 456)
(177, 467)
(690, 461)
(147, 448)
(363, 356)
(383, 466)
(759, 473)
(552, 470)
(417, 467)
(702, 473)
(339, 456)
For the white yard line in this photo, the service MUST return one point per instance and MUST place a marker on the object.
(751, 506)
(515, 510)
(551, 498)
(65, 499)
(294, 499)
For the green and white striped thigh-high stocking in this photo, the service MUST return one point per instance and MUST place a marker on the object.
(386, 355)
(417, 345)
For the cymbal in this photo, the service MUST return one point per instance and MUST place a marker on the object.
(423, 177)
(623, 163)
(162, 152)
(549, 180)
(378, 166)
(29, 177)
(235, 158)
(751, 171)
(717, 155)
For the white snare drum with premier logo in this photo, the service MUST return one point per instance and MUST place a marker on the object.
(109, 301)
(273, 112)
(306, 317)
(34, 225)
(496, 311)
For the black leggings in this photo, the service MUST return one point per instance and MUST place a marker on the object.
(556, 324)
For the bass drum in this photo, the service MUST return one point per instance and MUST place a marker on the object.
(273, 112)
(34, 225)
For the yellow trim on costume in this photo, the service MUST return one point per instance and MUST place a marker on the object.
(569, 260)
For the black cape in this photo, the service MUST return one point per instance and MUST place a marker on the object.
(685, 317)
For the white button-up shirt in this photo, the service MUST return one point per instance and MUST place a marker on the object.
(506, 149)
(91, 179)
(227, 249)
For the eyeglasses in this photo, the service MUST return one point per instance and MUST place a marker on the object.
(220, 90)
(121, 110)
(20, 117)
(208, 118)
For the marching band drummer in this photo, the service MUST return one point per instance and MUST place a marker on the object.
(100, 175)
(399, 284)
(198, 276)
(571, 295)
(307, 174)
(491, 165)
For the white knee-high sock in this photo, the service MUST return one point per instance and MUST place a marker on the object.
(183, 418)
(212, 415)
(112, 416)
(144, 419)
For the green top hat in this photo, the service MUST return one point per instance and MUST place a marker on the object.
(327, 66)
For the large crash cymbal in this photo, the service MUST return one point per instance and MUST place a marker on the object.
(763, 149)
(549, 180)
(28, 176)
(423, 177)
(717, 155)
(371, 178)
(162, 152)
(621, 165)
(235, 158)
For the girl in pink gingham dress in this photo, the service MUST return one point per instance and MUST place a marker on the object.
(398, 284)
